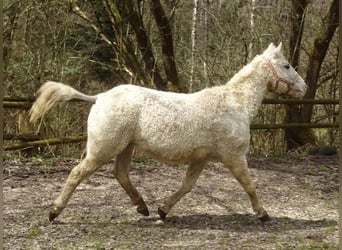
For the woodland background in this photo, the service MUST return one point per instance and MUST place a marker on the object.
(171, 45)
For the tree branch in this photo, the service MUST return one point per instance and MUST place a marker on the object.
(81, 14)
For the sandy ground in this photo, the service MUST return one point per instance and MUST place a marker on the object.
(299, 193)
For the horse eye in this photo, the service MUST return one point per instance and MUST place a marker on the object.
(287, 66)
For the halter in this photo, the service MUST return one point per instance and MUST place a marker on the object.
(278, 79)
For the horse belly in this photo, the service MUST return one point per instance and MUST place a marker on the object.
(176, 147)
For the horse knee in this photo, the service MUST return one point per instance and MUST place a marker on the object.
(186, 188)
(249, 187)
(121, 176)
(83, 170)
(121, 168)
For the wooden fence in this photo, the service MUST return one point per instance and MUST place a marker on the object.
(29, 140)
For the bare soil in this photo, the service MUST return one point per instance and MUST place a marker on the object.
(300, 194)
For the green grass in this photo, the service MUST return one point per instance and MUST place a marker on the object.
(34, 231)
(316, 246)
(330, 229)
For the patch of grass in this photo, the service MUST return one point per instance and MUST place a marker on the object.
(272, 238)
(311, 171)
(37, 160)
(330, 229)
(95, 243)
(142, 160)
(66, 246)
(34, 231)
(28, 246)
(312, 245)
(308, 187)
(334, 176)
(124, 222)
(316, 170)
(31, 212)
(182, 165)
(38, 164)
(323, 168)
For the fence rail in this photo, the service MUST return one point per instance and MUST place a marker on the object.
(51, 141)
(29, 140)
(26, 102)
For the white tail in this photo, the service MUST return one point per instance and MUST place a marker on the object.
(52, 92)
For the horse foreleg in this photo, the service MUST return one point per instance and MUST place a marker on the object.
(192, 174)
(121, 173)
(240, 171)
(80, 172)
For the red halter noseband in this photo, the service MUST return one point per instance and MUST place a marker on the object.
(278, 79)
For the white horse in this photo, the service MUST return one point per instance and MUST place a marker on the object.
(212, 124)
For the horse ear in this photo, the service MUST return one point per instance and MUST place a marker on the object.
(270, 47)
(279, 47)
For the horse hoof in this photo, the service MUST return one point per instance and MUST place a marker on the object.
(144, 211)
(52, 215)
(162, 214)
(264, 218)
(54, 212)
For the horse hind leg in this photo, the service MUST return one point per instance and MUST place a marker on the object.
(121, 173)
(193, 172)
(80, 172)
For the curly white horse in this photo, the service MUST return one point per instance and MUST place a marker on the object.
(212, 124)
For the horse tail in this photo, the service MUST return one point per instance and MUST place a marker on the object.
(52, 92)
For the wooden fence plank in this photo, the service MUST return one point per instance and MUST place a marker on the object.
(294, 125)
(31, 140)
(19, 99)
(16, 105)
(55, 141)
(265, 101)
(22, 137)
(51, 141)
(300, 101)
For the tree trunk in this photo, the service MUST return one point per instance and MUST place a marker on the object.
(125, 46)
(207, 8)
(166, 38)
(303, 113)
(252, 30)
(193, 43)
(144, 44)
(297, 24)
(321, 45)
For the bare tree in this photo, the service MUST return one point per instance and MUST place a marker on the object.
(193, 43)
(252, 30)
(303, 113)
(124, 44)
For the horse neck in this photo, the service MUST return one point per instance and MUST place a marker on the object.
(249, 85)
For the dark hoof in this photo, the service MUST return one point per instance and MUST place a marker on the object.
(162, 214)
(52, 215)
(144, 211)
(264, 218)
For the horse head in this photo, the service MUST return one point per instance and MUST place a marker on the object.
(285, 80)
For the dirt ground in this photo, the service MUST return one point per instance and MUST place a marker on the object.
(299, 193)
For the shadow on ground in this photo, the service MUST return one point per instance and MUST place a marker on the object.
(235, 222)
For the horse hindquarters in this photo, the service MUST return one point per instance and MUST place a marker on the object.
(100, 150)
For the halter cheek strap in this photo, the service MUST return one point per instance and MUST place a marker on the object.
(278, 80)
